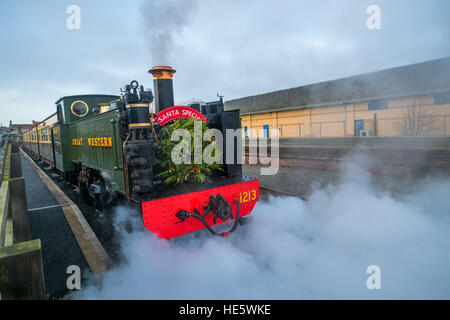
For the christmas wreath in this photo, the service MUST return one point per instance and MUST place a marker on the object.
(179, 173)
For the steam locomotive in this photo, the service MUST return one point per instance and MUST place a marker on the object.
(106, 146)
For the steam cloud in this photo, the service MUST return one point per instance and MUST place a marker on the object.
(294, 249)
(163, 20)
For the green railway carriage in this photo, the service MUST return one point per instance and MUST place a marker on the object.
(45, 138)
(26, 140)
(34, 146)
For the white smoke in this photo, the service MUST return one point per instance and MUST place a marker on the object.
(294, 249)
(164, 20)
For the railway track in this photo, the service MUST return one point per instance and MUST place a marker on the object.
(264, 193)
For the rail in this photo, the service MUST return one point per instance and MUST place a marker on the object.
(21, 269)
(413, 152)
(373, 142)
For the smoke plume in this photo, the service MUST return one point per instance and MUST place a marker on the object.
(295, 249)
(163, 21)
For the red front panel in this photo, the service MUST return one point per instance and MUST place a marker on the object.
(159, 215)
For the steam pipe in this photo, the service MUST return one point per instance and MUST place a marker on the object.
(183, 214)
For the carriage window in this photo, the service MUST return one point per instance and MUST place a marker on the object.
(79, 108)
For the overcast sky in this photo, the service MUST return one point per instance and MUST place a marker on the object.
(236, 48)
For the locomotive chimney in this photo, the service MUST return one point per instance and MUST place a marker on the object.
(162, 79)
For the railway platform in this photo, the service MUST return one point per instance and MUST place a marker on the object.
(48, 223)
(43, 233)
(67, 238)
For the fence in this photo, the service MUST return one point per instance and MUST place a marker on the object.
(21, 270)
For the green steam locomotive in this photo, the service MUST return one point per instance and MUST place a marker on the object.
(106, 146)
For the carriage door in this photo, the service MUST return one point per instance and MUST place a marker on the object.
(53, 147)
(57, 148)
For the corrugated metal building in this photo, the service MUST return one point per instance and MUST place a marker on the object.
(407, 100)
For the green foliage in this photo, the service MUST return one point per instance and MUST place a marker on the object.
(180, 173)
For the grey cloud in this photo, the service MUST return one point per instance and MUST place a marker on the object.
(237, 48)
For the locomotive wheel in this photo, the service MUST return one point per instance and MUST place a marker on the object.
(85, 195)
(83, 186)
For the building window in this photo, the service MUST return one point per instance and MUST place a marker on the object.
(266, 130)
(442, 98)
(246, 132)
(378, 105)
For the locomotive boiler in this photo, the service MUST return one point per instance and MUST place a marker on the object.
(107, 146)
